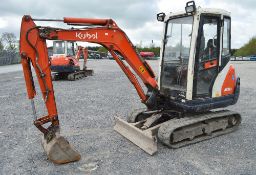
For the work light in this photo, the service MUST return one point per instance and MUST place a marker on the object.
(160, 17)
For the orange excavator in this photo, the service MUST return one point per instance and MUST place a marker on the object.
(183, 107)
(65, 63)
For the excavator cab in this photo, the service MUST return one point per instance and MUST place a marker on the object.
(63, 48)
(195, 59)
(195, 80)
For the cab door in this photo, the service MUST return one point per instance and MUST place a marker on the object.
(207, 56)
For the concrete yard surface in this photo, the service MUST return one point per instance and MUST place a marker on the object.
(86, 111)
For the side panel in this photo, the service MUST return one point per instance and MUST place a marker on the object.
(229, 84)
(225, 82)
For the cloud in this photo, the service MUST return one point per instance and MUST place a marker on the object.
(130, 15)
(3, 23)
(136, 18)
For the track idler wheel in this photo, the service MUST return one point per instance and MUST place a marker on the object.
(59, 150)
(139, 115)
(71, 77)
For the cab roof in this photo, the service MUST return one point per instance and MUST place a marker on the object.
(199, 11)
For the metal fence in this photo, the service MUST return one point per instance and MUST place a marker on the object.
(9, 57)
(248, 58)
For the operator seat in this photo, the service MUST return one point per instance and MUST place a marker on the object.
(211, 50)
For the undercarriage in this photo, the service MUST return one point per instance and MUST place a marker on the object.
(175, 129)
(72, 76)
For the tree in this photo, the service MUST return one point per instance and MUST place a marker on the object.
(93, 48)
(248, 49)
(102, 49)
(1, 44)
(10, 40)
(233, 51)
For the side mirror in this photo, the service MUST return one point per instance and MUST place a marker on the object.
(160, 17)
(190, 7)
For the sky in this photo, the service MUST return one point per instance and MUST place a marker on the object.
(136, 17)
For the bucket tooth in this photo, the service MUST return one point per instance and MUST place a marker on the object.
(59, 150)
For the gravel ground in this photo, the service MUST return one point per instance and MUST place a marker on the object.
(86, 110)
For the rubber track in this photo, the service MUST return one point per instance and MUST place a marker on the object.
(76, 75)
(167, 128)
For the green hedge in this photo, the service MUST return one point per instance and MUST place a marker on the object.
(248, 49)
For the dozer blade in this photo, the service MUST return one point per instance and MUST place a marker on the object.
(145, 139)
(88, 72)
(59, 150)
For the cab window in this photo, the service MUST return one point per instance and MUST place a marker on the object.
(225, 56)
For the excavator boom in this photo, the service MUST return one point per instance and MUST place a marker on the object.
(33, 50)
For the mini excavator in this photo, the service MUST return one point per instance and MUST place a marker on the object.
(184, 106)
(65, 62)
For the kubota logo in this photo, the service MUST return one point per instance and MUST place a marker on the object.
(86, 35)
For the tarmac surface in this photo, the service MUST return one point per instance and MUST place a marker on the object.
(86, 111)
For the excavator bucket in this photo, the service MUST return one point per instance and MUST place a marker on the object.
(59, 150)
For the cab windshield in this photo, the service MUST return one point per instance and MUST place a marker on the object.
(58, 47)
(70, 49)
(63, 47)
(176, 55)
(178, 38)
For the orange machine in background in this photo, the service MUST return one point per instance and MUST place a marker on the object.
(148, 55)
(65, 62)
